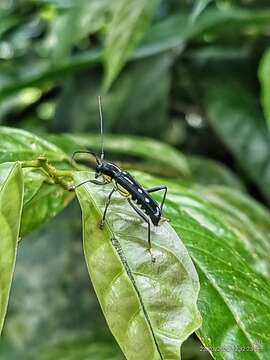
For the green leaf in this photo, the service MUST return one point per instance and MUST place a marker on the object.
(8, 22)
(198, 8)
(225, 241)
(130, 20)
(33, 181)
(210, 172)
(11, 198)
(42, 201)
(255, 211)
(150, 308)
(264, 76)
(175, 31)
(85, 16)
(144, 148)
(232, 111)
(16, 144)
(249, 219)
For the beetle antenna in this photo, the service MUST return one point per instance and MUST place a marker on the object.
(101, 127)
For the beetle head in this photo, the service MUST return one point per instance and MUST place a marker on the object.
(99, 165)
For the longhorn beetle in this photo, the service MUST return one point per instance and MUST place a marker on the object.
(138, 197)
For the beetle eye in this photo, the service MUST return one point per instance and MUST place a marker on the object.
(98, 170)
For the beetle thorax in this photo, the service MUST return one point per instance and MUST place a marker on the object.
(108, 170)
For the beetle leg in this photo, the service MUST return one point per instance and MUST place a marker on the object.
(96, 182)
(145, 218)
(158, 188)
(106, 208)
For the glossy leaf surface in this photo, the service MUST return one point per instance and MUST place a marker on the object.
(16, 144)
(225, 233)
(210, 172)
(42, 201)
(11, 199)
(248, 219)
(150, 308)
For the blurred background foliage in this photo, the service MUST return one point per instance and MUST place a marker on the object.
(194, 74)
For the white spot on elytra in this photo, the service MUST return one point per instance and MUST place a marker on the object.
(157, 211)
(147, 200)
(128, 180)
(140, 191)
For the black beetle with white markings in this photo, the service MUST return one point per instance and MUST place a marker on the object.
(125, 184)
